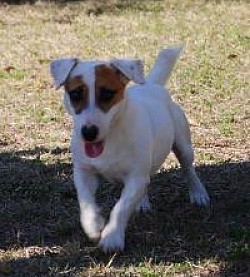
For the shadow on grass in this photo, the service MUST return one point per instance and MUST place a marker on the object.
(40, 233)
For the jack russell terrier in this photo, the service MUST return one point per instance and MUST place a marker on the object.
(124, 134)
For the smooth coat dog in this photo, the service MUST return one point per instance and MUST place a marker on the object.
(123, 133)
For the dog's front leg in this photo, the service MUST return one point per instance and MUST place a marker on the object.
(86, 184)
(113, 235)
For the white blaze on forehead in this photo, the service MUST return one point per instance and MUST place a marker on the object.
(91, 85)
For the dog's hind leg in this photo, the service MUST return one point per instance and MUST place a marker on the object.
(184, 152)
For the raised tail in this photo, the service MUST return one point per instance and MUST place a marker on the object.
(164, 65)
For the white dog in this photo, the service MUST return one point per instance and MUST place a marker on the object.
(124, 134)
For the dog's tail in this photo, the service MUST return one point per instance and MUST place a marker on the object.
(164, 65)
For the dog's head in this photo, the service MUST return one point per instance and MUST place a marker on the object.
(94, 95)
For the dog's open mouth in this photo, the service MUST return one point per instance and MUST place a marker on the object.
(94, 149)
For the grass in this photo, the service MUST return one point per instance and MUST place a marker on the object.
(40, 232)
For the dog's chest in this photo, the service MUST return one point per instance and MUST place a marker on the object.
(113, 166)
(112, 170)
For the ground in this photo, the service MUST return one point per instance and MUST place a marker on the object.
(40, 233)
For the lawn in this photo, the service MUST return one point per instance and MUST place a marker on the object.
(40, 233)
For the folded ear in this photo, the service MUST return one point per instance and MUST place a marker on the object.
(60, 70)
(131, 69)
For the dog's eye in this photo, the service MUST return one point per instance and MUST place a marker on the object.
(76, 95)
(106, 94)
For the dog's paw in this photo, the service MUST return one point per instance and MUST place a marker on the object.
(199, 196)
(93, 224)
(112, 239)
(144, 205)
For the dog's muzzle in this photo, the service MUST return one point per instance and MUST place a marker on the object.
(92, 148)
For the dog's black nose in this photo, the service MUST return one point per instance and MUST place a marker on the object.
(90, 133)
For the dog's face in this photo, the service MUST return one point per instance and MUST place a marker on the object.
(94, 95)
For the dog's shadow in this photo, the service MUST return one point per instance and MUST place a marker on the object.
(40, 229)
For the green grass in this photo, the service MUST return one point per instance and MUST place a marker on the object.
(40, 231)
(17, 75)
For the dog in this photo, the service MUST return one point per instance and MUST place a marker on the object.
(124, 133)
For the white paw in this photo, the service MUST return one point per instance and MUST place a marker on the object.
(144, 205)
(199, 195)
(112, 239)
(93, 224)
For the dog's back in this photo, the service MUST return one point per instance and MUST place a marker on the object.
(153, 103)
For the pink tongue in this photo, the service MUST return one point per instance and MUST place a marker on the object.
(93, 149)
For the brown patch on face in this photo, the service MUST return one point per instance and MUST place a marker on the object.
(78, 93)
(109, 87)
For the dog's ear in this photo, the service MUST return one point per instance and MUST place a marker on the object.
(131, 69)
(60, 70)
